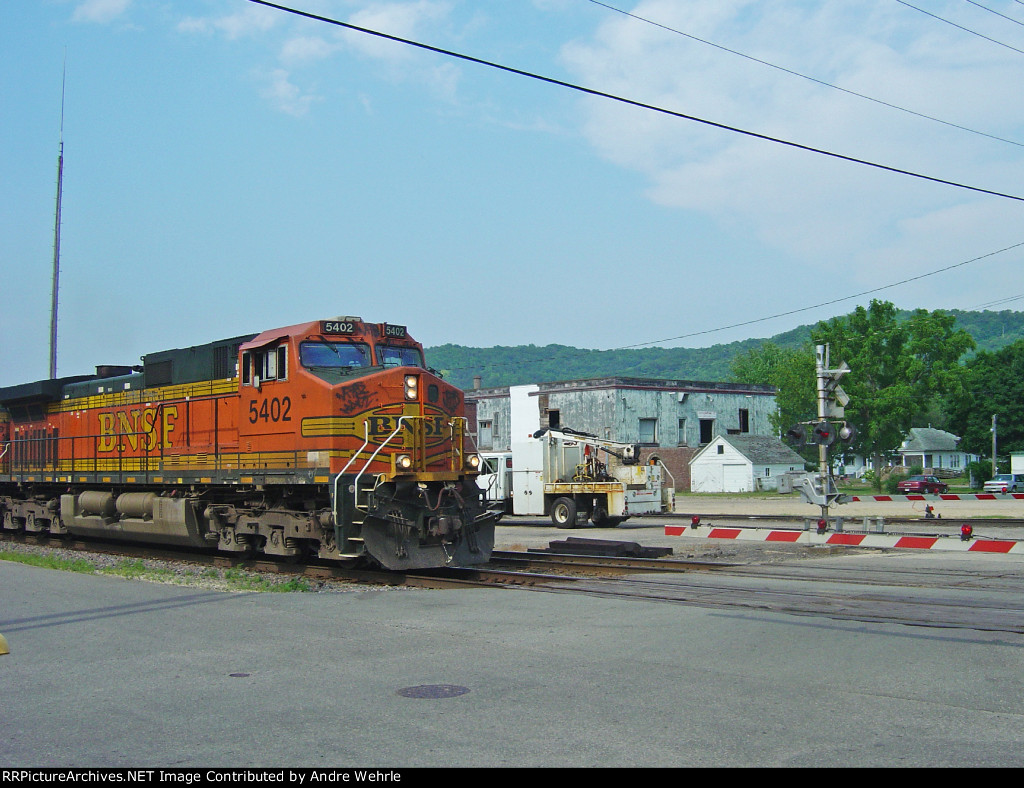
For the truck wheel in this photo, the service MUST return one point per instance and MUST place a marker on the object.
(563, 513)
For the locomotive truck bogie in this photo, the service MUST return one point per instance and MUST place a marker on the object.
(328, 438)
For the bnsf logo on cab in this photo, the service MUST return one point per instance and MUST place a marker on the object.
(435, 427)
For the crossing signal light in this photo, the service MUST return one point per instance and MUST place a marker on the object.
(847, 432)
(797, 434)
(824, 433)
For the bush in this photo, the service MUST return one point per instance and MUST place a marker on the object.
(978, 473)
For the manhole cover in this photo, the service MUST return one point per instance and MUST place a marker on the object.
(433, 691)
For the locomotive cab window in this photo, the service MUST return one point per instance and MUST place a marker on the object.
(399, 356)
(259, 366)
(334, 355)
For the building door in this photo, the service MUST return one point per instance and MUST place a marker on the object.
(735, 477)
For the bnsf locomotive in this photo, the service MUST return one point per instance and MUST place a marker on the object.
(328, 439)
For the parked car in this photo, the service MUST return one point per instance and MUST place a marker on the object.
(922, 484)
(1005, 482)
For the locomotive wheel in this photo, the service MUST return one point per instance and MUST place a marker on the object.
(563, 513)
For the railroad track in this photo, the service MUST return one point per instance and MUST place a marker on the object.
(989, 601)
(983, 600)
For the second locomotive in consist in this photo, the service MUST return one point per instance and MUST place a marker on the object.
(328, 439)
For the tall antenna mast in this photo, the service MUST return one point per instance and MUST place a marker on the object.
(56, 232)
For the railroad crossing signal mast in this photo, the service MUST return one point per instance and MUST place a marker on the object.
(832, 401)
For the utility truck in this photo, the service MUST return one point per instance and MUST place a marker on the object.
(572, 477)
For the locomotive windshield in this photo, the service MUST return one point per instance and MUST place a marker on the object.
(398, 356)
(333, 355)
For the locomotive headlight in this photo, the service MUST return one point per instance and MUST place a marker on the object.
(412, 387)
(403, 462)
(473, 462)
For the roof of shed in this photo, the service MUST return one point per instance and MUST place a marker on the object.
(764, 449)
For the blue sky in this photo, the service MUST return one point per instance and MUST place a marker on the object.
(230, 168)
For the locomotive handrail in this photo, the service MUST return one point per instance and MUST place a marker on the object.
(377, 451)
(370, 459)
(366, 429)
(460, 450)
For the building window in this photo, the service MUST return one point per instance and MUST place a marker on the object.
(681, 441)
(721, 448)
(486, 435)
(744, 420)
(707, 430)
(649, 432)
(554, 419)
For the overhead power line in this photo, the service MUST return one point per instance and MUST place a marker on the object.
(829, 303)
(1000, 301)
(993, 11)
(801, 309)
(959, 27)
(631, 102)
(805, 76)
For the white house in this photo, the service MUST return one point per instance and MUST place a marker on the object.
(933, 449)
(742, 463)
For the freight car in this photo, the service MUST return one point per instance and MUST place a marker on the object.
(329, 439)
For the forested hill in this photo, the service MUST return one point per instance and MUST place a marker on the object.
(509, 366)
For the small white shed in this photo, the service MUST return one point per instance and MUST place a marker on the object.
(742, 463)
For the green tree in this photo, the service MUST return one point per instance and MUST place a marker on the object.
(790, 370)
(993, 386)
(897, 367)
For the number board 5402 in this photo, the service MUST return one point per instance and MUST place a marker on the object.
(338, 327)
(394, 331)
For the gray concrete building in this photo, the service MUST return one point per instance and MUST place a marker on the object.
(671, 419)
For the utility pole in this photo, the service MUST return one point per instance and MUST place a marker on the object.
(56, 236)
(995, 467)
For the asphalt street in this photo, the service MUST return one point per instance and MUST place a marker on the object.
(111, 672)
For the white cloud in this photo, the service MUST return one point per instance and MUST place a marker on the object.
(305, 49)
(285, 95)
(250, 20)
(811, 207)
(101, 11)
(402, 20)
